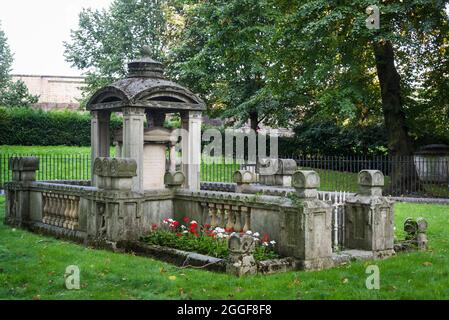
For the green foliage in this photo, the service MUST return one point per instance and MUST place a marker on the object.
(6, 59)
(106, 39)
(220, 53)
(328, 138)
(200, 244)
(16, 94)
(26, 126)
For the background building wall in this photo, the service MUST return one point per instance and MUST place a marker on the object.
(55, 92)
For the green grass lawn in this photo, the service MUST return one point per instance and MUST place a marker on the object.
(33, 266)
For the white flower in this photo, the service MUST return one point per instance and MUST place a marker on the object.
(256, 234)
(185, 231)
(233, 234)
(265, 244)
(272, 242)
(193, 221)
(249, 232)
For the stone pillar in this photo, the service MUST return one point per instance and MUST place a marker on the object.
(308, 234)
(241, 260)
(99, 136)
(17, 193)
(243, 179)
(133, 122)
(369, 217)
(191, 149)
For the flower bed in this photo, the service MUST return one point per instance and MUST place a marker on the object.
(190, 236)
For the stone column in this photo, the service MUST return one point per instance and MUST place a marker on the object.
(133, 122)
(191, 149)
(172, 166)
(308, 234)
(369, 217)
(99, 136)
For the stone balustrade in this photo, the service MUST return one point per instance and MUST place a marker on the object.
(227, 216)
(60, 210)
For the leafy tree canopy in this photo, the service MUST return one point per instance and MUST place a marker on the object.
(106, 40)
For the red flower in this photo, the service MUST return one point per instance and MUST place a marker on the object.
(186, 219)
(265, 238)
(174, 224)
(153, 226)
(229, 230)
(206, 226)
(179, 234)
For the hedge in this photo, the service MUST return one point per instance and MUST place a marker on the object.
(28, 127)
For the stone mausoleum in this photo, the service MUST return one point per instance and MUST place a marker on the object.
(143, 185)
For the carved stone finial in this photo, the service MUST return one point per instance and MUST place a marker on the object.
(146, 51)
(371, 182)
(306, 183)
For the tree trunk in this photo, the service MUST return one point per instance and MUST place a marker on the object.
(404, 178)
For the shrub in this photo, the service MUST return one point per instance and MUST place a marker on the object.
(27, 126)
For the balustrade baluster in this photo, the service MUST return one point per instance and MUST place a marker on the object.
(230, 217)
(247, 214)
(238, 218)
(213, 213)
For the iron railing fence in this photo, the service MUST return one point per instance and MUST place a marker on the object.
(404, 176)
(52, 167)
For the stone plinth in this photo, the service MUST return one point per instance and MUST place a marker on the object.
(369, 218)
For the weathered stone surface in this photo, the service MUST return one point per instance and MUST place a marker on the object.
(415, 234)
(23, 168)
(369, 217)
(241, 260)
(243, 178)
(276, 172)
(114, 173)
(306, 183)
(174, 179)
(371, 182)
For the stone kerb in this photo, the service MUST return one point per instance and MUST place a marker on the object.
(369, 217)
(114, 173)
(23, 168)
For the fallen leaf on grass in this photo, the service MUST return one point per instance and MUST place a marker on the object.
(345, 280)
(172, 278)
(427, 264)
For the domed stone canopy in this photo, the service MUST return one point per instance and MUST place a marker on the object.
(145, 87)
